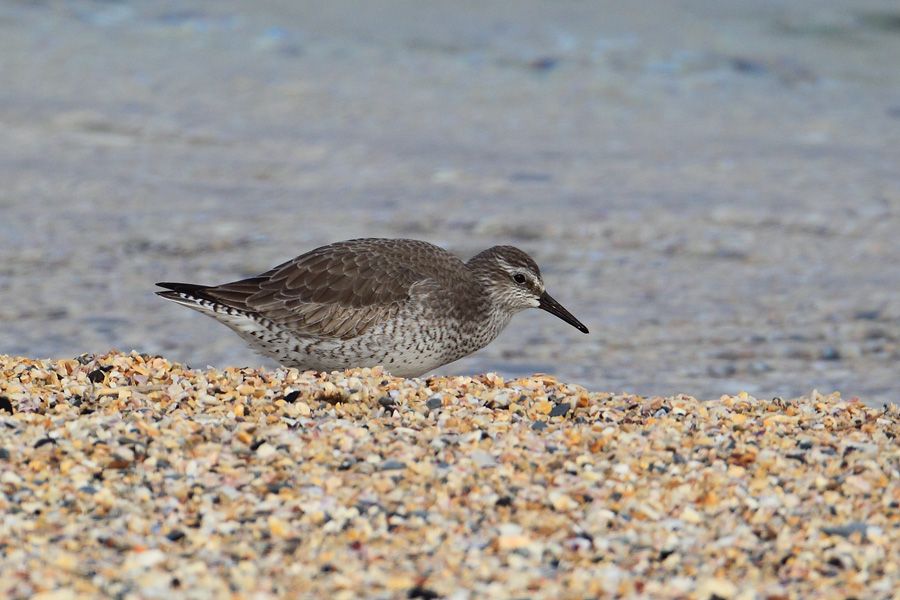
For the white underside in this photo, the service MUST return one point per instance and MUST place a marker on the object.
(389, 345)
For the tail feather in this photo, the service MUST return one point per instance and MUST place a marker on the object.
(184, 288)
(231, 295)
(188, 294)
(250, 325)
(181, 292)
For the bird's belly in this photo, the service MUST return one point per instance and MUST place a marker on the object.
(401, 353)
(408, 346)
(404, 351)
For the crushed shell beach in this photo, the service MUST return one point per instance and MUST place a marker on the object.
(130, 476)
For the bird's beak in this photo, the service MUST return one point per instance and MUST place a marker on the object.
(555, 308)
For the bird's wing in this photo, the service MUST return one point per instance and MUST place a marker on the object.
(337, 291)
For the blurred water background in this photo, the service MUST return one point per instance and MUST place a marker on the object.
(712, 187)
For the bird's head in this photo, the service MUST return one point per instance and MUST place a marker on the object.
(514, 283)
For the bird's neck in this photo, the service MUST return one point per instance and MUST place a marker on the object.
(480, 300)
(494, 317)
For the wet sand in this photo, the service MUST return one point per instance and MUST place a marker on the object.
(712, 188)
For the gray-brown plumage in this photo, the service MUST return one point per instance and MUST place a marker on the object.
(405, 304)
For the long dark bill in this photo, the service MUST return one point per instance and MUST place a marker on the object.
(555, 308)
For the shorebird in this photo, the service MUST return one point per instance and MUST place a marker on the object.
(407, 305)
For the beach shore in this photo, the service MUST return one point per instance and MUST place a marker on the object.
(129, 476)
(710, 187)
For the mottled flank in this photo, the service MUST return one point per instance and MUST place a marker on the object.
(404, 304)
(129, 476)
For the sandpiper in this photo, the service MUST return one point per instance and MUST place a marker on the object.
(405, 304)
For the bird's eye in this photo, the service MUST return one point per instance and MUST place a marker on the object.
(519, 278)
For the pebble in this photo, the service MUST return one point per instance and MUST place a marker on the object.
(249, 482)
(483, 459)
(848, 529)
(560, 410)
(392, 465)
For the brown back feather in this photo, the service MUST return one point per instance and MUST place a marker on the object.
(342, 289)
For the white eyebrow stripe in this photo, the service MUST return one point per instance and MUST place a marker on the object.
(514, 269)
(531, 277)
(506, 265)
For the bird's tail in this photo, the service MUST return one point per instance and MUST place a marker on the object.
(188, 294)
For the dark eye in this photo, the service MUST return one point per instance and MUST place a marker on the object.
(519, 278)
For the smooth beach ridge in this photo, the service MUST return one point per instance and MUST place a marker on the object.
(128, 475)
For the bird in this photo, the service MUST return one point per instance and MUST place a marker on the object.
(407, 305)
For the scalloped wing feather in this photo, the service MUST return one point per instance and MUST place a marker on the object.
(340, 290)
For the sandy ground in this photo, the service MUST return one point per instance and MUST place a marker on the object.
(127, 476)
(712, 187)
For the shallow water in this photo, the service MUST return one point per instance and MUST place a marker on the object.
(712, 188)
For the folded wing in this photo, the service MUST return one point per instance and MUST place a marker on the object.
(336, 291)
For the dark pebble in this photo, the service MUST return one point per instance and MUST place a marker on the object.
(44, 442)
(664, 554)
(504, 501)
(539, 425)
(255, 445)
(392, 465)
(422, 592)
(88, 489)
(98, 375)
(365, 506)
(175, 535)
(847, 530)
(292, 396)
(434, 403)
(6, 404)
(387, 402)
(330, 398)
(4, 454)
(560, 410)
